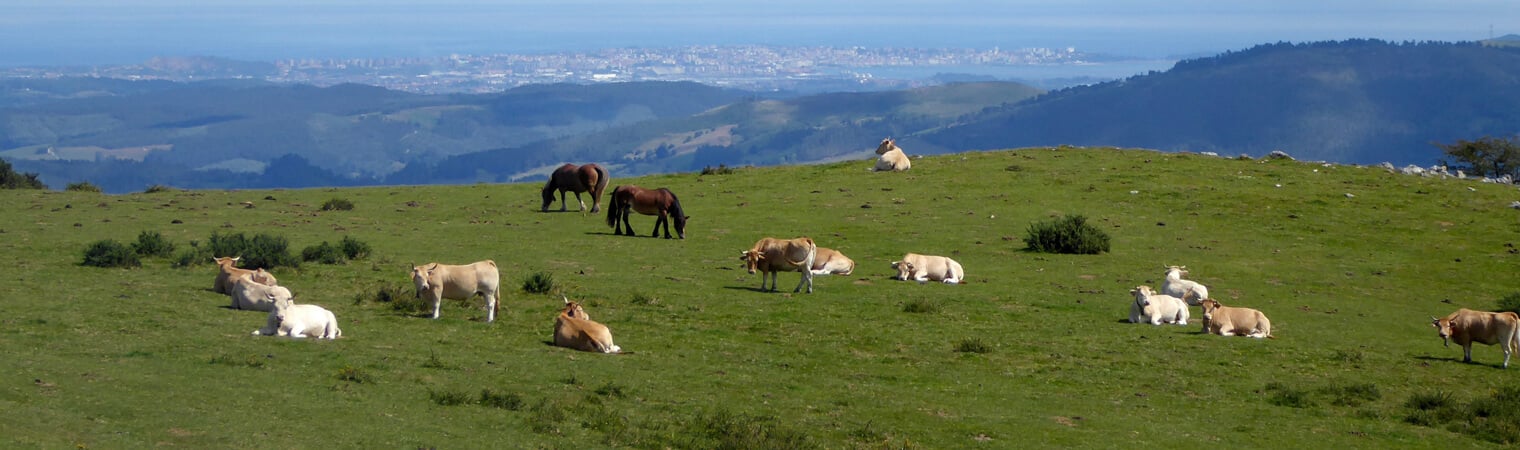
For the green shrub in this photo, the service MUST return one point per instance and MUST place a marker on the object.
(323, 253)
(1284, 395)
(338, 204)
(82, 186)
(263, 251)
(10, 179)
(508, 401)
(354, 375)
(109, 253)
(154, 189)
(539, 283)
(152, 243)
(720, 170)
(727, 430)
(354, 248)
(195, 255)
(920, 306)
(972, 346)
(449, 398)
(1068, 235)
(1510, 303)
(402, 298)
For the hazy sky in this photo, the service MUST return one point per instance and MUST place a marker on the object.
(47, 32)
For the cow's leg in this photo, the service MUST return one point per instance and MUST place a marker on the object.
(774, 277)
(490, 307)
(437, 301)
(807, 277)
(1467, 352)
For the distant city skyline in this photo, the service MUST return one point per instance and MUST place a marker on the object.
(87, 32)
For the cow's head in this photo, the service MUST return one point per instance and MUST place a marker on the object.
(752, 259)
(1209, 305)
(887, 145)
(1443, 329)
(904, 270)
(1181, 271)
(422, 277)
(1142, 295)
(279, 297)
(573, 309)
(230, 261)
(263, 277)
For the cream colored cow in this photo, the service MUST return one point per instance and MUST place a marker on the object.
(573, 328)
(1156, 309)
(771, 256)
(299, 321)
(892, 157)
(922, 268)
(1467, 326)
(1227, 321)
(443, 281)
(248, 293)
(830, 262)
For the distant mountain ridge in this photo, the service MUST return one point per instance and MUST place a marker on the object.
(1357, 101)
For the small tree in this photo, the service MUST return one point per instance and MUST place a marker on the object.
(1488, 156)
(10, 179)
(1069, 235)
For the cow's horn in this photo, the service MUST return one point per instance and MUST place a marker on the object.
(566, 299)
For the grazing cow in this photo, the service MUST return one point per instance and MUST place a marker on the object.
(229, 273)
(923, 268)
(1190, 291)
(442, 281)
(892, 157)
(1156, 308)
(1227, 321)
(1467, 326)
(574, 329)
(829, 262)
(248, 293)
(299, 321)
(771, 256)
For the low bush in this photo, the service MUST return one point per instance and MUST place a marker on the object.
(82, 186)
(338, 204)
(920, 306)
(1510, 303)
(109, 253)
(157, 188)
(262, 251)
(972, 346)
(508, 401)
(720, 170)
(323, 253)
(192, 256)
(354, 248)
(539, 283)
(152, 243)
(1495, 418)
(449, 397)
(1067, 235)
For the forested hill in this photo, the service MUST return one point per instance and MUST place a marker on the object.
(1360, 101)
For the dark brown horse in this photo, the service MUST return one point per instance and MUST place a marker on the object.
(572, 178)
(650, 202)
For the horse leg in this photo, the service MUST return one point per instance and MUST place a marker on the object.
(657, 222)
(627, 226)
(562, 201)
(582, 202)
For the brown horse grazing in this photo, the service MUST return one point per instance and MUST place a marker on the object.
(650, 202)
(572, 178)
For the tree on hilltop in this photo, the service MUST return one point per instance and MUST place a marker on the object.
(10, 179)
(1487, 156)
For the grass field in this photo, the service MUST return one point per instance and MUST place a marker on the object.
(1034, 351)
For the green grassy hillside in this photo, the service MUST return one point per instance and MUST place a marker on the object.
(1348, 262)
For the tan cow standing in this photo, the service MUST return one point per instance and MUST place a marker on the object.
(443, 281)
(770, 256)
(892, 157)
(1467, 326)
(228, 274)
(1228, 321)
(922, 268)
(828, 261)
(573, 328)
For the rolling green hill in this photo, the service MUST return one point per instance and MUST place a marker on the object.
(1033, 351)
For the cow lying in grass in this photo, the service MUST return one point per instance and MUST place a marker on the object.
(892, 157)
(442, 281)
(228, 274)
(1467, 326)
(922, 268)
(299, 321)
(1156, 308)
(828, 261)
(574, 329)
(1227, 321)
(248, 293)
(1189, 291)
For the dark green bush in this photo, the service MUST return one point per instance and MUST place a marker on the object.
(354, 248)
(449, 398)
(1068, 235)
(263, 251)
(151, 243)
(539, 283)
(338, 204)
(194, 255)
(154, 189)
(972, 346)
(1510, 303)
(720, 170)
(323, 253)
(10, 179)
(508, 401)
(109, 253)
(83, 186)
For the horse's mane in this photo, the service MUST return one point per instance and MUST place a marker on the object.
(675, 210)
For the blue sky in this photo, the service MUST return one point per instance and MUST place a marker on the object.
(37, 32)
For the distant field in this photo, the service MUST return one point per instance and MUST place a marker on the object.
(1034, 351)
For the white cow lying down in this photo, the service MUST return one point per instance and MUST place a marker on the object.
(249, 293)
(298, 321)
(1156, 308)
(922, 268)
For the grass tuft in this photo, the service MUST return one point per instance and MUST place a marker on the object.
(972, 345)
(538, 283)
(921, 306)
(509, 401)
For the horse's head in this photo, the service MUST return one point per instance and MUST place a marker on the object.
(680, 220)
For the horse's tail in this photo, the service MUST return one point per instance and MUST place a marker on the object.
(601, 181)
(613, 207)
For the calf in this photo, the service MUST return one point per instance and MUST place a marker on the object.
(299, 321)
(770, 256)
(574, 329)
(923, 268)
(1227, 321)
(1467, 326)
(442, 281)
(1156, 308)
